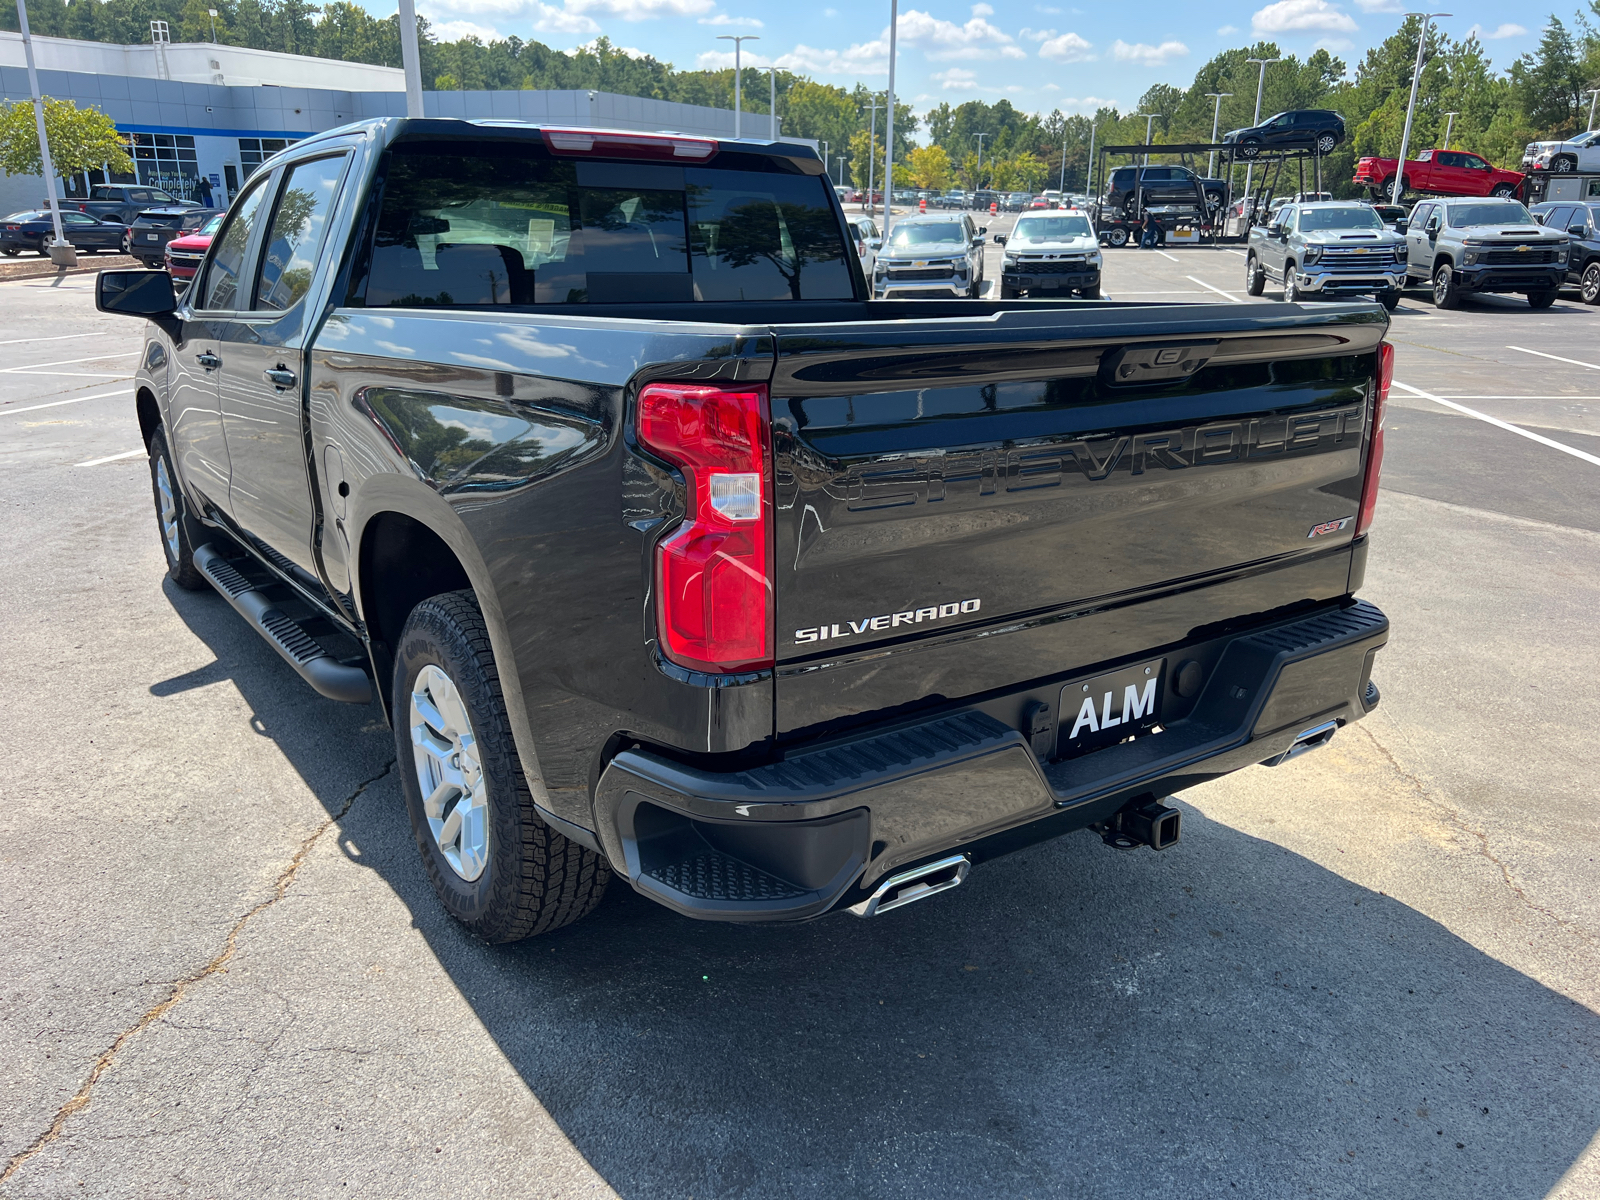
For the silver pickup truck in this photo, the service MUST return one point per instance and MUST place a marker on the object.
(1337, 248)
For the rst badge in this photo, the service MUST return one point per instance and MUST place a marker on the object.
(1329, 527)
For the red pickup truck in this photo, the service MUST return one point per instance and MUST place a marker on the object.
(1441, 172)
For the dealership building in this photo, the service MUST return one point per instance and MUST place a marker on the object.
(193, 110)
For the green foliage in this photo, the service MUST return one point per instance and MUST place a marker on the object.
(81, 139)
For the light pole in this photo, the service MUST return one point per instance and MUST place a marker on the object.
(60, 250)
(1593, 96)
(1261, 83)
(213, 13)
(888, 133)
(410, 59)
(1149, 120)
(772, 106)
(738, 40)
(977, 174)
(872, 150)
(841, 170)
(1088, 172)
(1216, 116)
(1411, 106)
(1450, 123)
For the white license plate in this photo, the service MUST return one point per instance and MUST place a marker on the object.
(1109, 708)
(152, 237)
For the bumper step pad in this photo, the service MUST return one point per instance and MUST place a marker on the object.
(326, 674)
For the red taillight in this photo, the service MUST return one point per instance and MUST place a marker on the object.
(1369, 485)
(713, 590)
(607, 143)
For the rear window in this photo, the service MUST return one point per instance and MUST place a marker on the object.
(498, 224)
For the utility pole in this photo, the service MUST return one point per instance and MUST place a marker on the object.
(888, 135)
(738, 41)
(410, 58)
(1411, 106)
(872, 149)
(1216, 116)
(1261, 83)
(60, 250)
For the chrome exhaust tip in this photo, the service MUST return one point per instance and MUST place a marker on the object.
(916, 884)
(1308, 739)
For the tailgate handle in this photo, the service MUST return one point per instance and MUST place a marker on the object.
(1156, 362)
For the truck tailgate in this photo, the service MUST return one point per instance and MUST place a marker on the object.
(969, 504)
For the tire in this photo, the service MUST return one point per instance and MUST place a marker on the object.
(1544, 299)
(1445, 293)
(127, 242)
(9, 251)
(1564, 165)
(1090, 293)
(1327, 142)
(1007, 293)
(1589, 287)
(501, 871)
(1255, 279)
(1390, 300)
(180, 532)
(1250, 147)
(1117, 237)
(1291, 293)
(1503, 191)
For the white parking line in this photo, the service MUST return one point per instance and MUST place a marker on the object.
(56, 338)
(95, 462)
(1217, 290)
(1506, 425)
(1240, 253)
(1164, 254)
(1453, 396)
(1557, 357)
(6, 412)
(65, 362)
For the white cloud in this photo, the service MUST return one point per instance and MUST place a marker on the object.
(864, 58)
(1045, 8)
(454, 31)
(1227, 30)
(725, 19)
(722, 60)
(1151, 56)
(1068, 48)
(956, 79)
(1336, 44)
(1035, 35)
(1508, 30)
(1301, 16)
(982, 10)
(630, 51)
(830, 12)
(641, 10)
(1088, 105)
(558, 20)
(1372, 6)
(943, 41)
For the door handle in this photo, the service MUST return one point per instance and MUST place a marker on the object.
(208, 360)
(279, 377)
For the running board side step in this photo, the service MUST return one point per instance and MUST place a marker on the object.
(326, 675)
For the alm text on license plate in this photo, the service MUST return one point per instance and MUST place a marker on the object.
(1108, 708)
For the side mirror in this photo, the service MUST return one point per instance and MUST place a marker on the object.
(1402, 224)
(999, 239)
(1577, 230)
(983, 229)
(979, 240)
(1433, 227)
(875, 243)
(135, 293)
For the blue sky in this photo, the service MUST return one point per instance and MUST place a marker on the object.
(1039, 54)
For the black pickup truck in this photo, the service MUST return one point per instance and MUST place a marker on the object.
(669, 553)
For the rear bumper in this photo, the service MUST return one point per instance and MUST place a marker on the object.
(819, 830)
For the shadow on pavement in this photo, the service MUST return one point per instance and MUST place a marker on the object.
(1226, 1018)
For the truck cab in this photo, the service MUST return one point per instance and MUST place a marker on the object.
(1324, 250)
(1467, 246)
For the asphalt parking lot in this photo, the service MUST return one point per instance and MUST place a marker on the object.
(1373, 971)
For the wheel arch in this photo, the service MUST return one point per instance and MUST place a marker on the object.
(144, 403)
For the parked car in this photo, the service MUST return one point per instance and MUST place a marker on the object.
(1580, 153)
(1327, 249)
(1582, 225)
(125, 201)
(954, 198)
(1050, 253)
(34, 230)
(769, 600)
(868, 241)
(1016, 202)
(183, 255)
(1160, 185)
(1039, 203)
(151, 230)
(1390, 213)
(1315, 128)
(930, 256)
(1439, 173)
(981, 200)
(1464, 246)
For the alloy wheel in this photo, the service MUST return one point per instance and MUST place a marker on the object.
(1326, 143)
(445, 754)
(169, 510)
(1589, 289)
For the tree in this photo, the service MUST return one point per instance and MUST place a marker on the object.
(81, 139)
(1549, 83)
(930, 168)
(859, 173)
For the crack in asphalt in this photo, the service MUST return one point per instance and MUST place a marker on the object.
(80, 1100)
(1455, 818)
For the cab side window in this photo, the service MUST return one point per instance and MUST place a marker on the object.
(221, 292)
(299, 224)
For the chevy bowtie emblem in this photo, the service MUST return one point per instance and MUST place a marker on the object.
(1522, 249)
(920, 263)
(1362, 250)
